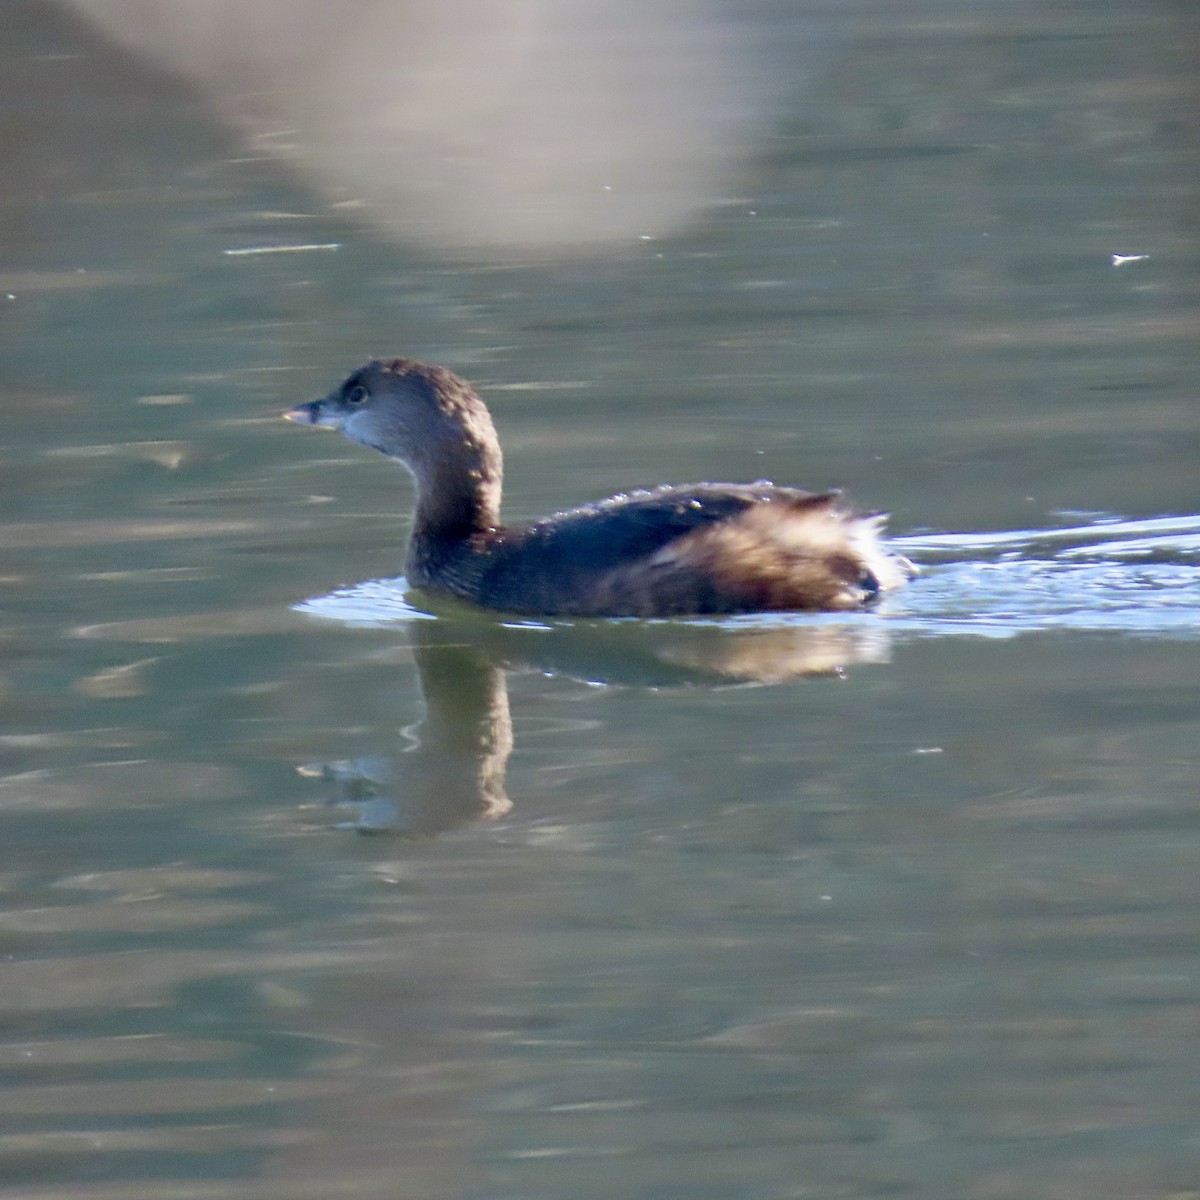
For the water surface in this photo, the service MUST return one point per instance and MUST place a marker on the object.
(902, 904)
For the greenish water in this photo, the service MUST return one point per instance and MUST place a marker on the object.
(901, 905)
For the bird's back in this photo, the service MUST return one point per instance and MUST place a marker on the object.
(701, 549)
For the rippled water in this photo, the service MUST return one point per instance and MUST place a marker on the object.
(894, 904)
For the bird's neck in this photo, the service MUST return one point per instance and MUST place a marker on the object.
(458, 498)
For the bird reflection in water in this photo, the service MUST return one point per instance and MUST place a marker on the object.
(453, 773)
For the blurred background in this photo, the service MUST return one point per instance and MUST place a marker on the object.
(915, 918)
(484, 126)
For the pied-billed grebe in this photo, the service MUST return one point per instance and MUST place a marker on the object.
(673, 551)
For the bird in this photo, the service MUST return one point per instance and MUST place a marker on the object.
(669, 551)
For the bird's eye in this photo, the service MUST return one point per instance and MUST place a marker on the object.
(356, 395)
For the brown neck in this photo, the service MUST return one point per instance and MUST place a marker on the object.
(458, 497)
(454, 503)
